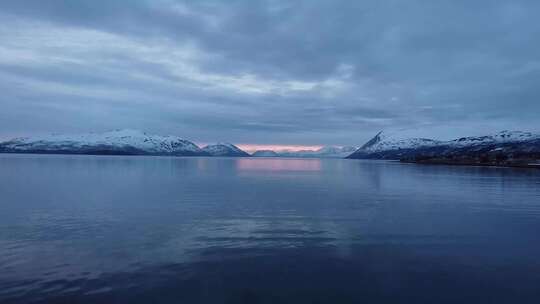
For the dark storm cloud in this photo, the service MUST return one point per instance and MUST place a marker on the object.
(269, 71)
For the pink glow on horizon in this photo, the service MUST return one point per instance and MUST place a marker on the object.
(254, 147)
(250, 148)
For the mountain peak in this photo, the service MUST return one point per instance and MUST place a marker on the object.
(394, 141)
(376, 139)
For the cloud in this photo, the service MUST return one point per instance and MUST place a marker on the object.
(265, 72)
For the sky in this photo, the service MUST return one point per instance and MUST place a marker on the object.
(296, 73)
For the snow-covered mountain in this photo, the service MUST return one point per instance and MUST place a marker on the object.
(393, 141)
(117, 142)
(225, 149)
(499, 148)
(501, 137)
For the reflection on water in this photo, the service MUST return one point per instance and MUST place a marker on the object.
(90, 229)
(275, 164)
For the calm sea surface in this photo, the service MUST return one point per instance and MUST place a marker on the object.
(115, 229)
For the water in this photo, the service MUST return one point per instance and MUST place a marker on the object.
(100, 229)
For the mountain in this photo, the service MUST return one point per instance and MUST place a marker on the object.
(391, 145)
(393, 141)
(118, 142)
(225, 149)
(324, 152)
(498, 138)
(503, 148)
(265, 153)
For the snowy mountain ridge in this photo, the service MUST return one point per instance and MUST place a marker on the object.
(113, 142)
(499, 148)
(385, 141)
(500, 137)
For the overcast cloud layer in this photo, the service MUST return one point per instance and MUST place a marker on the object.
(269, 72)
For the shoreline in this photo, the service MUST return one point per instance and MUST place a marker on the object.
(476, 164)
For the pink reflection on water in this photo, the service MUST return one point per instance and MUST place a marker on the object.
(268, 164)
